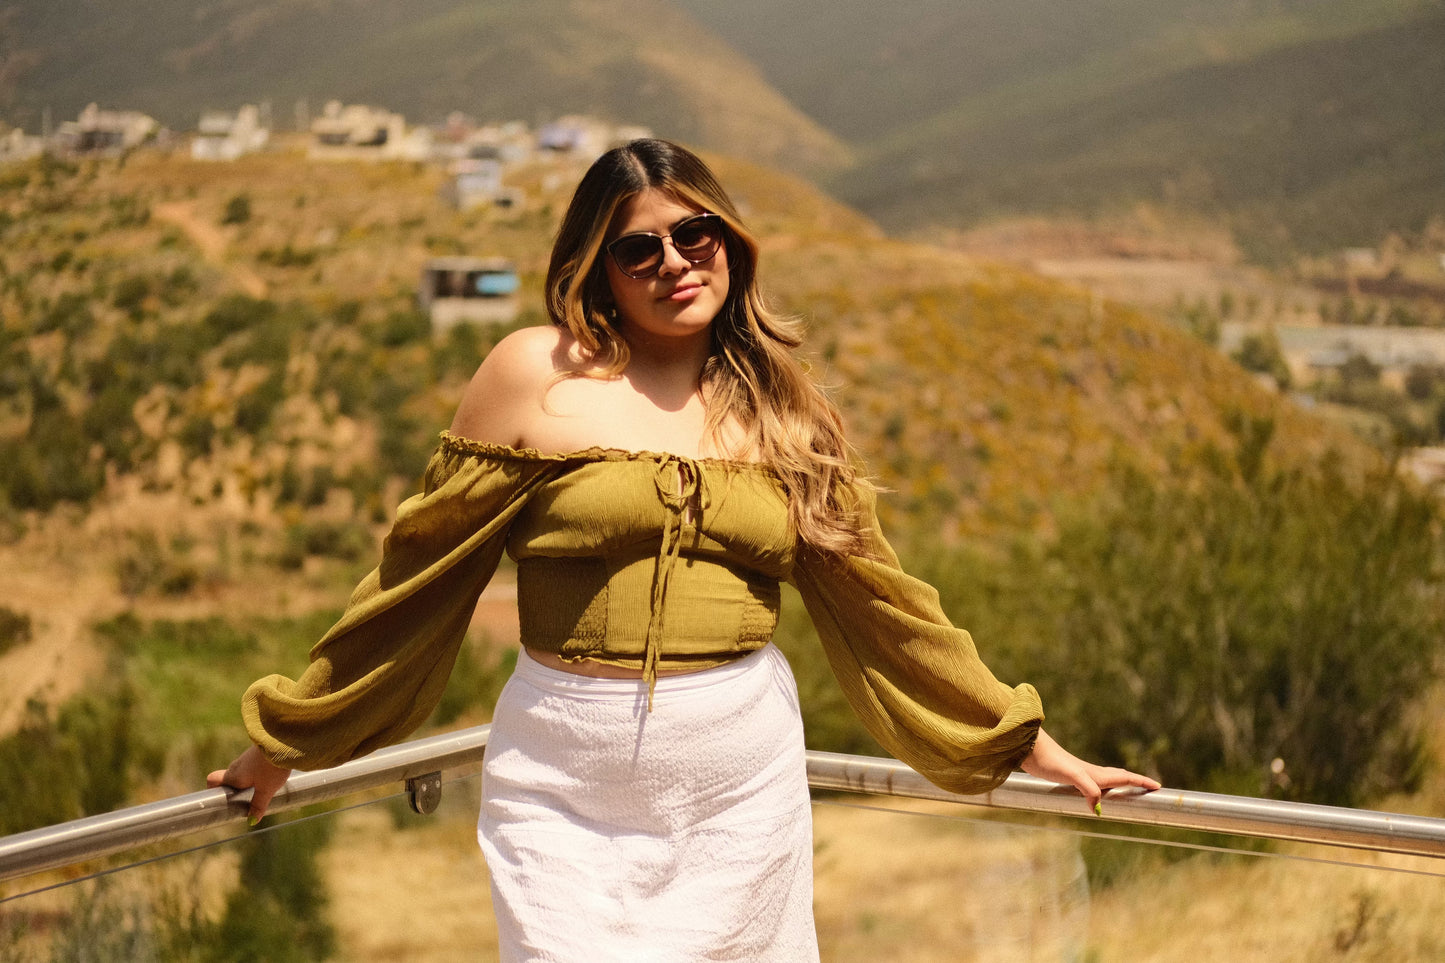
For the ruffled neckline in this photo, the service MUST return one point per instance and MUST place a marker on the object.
(485, 449)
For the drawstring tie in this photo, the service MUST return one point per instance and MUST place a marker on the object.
(680, 487)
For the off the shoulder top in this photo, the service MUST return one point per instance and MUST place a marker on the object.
(645, 560)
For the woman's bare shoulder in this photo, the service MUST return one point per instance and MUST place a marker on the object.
(508, 390)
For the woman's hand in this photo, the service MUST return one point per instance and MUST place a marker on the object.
(1053, 762)
(252, 770)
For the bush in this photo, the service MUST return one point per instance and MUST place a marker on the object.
(70, 314)
(1261, 353)
(277, 912)
(1202, 631)
(15, 629)
(130, 294)
(238, 210)
(85, 759)
(236, 313)
(146, 566)
(53, 462)
(340, 540)
(287, 256)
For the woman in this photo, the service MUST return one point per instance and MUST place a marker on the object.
(656, 462)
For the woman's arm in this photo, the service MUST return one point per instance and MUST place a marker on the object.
(386, 661)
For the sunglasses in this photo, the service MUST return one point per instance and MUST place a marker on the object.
(641, 255)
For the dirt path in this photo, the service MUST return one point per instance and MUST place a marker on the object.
(61, 658)
(212, 242)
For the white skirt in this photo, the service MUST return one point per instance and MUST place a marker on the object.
(680, 834)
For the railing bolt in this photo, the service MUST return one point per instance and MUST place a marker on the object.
(424, 793)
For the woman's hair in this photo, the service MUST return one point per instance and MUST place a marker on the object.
(751, 375)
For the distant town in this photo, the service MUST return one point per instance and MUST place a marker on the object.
(475, 154)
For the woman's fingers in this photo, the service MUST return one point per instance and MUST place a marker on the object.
(1112, 778)
(252, 770)
(1120, 778)
(261, 800)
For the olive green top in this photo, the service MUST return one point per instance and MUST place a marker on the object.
(644, 560)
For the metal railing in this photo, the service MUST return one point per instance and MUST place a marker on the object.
(420, 764)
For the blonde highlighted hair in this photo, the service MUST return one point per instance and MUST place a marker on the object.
(751, 377)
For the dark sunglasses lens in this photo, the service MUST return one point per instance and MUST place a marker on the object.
(637, 255)
(697, 240)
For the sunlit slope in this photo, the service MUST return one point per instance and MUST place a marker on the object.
(980, 394)
(637, 62)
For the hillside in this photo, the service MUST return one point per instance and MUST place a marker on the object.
(215, 407)
(1317, 145)
(637, 63)
(970, 379)
(1313, 124)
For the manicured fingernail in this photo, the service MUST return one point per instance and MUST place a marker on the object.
(1099, 808)
(253, 822)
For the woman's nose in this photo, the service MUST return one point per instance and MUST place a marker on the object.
(672, 262)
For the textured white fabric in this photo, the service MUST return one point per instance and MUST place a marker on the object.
(680, 834)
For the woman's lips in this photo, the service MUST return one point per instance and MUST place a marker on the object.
(684, 292)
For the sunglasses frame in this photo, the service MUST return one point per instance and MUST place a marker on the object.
(706, 216)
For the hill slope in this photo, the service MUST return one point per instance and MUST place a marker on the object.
(1314, 121)
(1328, 143)
(639, 62)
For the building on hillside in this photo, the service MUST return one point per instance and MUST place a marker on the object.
(223, 136)
(1360, 260)
(16, 145)
(478, 183)
(359, 132)
(1427, 465)
(584, 137)
(460, 138)
(468, 290)
(104, 131)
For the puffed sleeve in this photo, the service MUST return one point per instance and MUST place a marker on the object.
(381, 669)
(915, 681)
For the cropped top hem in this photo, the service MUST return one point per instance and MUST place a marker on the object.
(680, 665)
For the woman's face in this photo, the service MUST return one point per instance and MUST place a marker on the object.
(682, 298)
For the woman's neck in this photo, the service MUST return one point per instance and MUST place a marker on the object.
(667, 370)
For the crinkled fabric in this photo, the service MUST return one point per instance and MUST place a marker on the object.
(678, 835)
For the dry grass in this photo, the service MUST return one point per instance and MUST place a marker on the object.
(419, 894)
(917, 882)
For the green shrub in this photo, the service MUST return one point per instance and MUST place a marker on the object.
(277, 912)
(236, 313)
(85, 758)
(15, 629)
(346, 541)
(145, 565)
(1261, 353)
(53, 462)
(238, 210)
(1203, 630)
(130, 294)
(287, 256)
(473, 683)
(70, 314)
